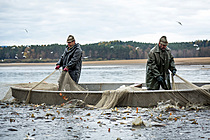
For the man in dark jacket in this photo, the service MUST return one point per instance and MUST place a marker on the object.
(160, 60)
(71, 59)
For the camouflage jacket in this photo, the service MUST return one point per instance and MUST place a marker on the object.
(158, 64)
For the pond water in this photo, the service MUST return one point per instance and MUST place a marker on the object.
(166, 121)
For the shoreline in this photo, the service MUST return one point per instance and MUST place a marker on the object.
(178, 61)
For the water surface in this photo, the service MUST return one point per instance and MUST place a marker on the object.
(166, 121)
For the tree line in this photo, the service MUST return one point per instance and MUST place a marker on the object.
(110, 50)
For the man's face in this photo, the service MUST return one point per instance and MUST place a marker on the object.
(71, 44)
(162, 47)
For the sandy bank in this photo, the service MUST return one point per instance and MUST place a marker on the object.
(178, 61)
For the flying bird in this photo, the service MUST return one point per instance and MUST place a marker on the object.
(26, 30)
(179, 22)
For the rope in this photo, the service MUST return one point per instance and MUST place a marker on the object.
(29, 94)
(86, 96)
(173, 83)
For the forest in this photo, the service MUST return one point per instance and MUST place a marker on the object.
(110, 50)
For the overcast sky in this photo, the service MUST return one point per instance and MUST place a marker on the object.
(26, 22)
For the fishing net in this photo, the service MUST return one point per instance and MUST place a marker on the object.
(66, 83)
(40, 86)
(110, 98)
(186, 93)
(8, 96)
(180, 95)
(199, 89)
(30, 86)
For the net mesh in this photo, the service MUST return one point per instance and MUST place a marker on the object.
(110, 98)
(41, 86)
(66, 83)
(8, 96)
(192, 86)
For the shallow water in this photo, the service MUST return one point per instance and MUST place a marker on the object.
(19, 121)
(50, 122)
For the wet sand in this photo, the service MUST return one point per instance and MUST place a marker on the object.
(178, 61)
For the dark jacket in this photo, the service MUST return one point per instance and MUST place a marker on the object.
(73, 60)
(158, 64)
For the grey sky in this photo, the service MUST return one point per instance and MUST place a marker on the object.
(91, 21)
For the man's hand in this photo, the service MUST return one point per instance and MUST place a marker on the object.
(66, 69)
(174, 72)
(57, 67)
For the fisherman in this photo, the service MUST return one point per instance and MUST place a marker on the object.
(71, 59)
(160, 61)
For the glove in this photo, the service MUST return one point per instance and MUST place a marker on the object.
(174, 72)
(57, 67)
(65, 69)
(160, 79)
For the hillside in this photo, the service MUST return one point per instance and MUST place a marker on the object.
(112, 50)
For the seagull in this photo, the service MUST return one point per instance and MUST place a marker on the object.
(195, 45)
(26, 31)
(179, 22)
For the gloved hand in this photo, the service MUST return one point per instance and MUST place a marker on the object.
(174, 72)
(160, 79)
(57, 67)
(65, 69)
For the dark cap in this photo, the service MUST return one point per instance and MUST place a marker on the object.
(70, 38)
(163, 41)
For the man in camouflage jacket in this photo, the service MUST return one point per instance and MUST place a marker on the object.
(160, 61)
